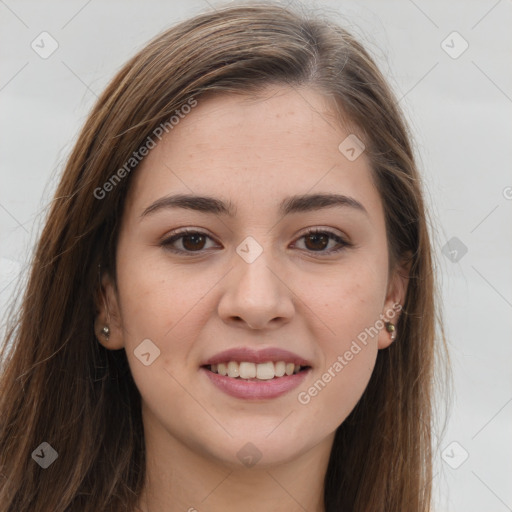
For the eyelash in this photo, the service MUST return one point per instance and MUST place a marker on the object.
(166, 243)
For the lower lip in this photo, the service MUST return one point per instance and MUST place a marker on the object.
(256, 390)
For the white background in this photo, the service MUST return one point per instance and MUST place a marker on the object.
(460, 111)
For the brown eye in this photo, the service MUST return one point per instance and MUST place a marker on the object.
(191, 241)
(315, 241)
(318, 241)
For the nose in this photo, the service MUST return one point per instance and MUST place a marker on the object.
(257, 295)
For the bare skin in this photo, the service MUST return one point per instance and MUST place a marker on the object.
(297, 295)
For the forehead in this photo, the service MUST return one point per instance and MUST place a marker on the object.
(254, 150)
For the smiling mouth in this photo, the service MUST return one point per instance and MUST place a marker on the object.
(256, 371)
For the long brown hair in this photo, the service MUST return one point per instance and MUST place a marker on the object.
(62, 387)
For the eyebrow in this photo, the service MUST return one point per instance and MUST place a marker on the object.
(292, 204)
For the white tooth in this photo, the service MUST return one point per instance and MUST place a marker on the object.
(233, 369)
(247, 370)
(280, 368)
(265, 371)
(214, 368)
(222, 369)
(289, 368)
(296, 369)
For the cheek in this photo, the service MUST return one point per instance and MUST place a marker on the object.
(155, 298)
(350, 306)
(350, 300)
(169, 306)
(351, 309)
(166, 308)
(336, 389)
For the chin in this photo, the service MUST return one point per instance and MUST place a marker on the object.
(258, 451)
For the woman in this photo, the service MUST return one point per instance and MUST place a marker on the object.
(232, 302)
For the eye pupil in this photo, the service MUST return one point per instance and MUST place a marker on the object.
(315, 237)
(195, 237)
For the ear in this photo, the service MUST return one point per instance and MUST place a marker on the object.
(395, 299)
(108, 315)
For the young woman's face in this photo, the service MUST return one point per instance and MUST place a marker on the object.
(252, 279)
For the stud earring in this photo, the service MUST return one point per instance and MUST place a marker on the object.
(390, 327)
(106, 332)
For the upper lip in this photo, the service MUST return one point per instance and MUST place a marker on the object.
(246, 354)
